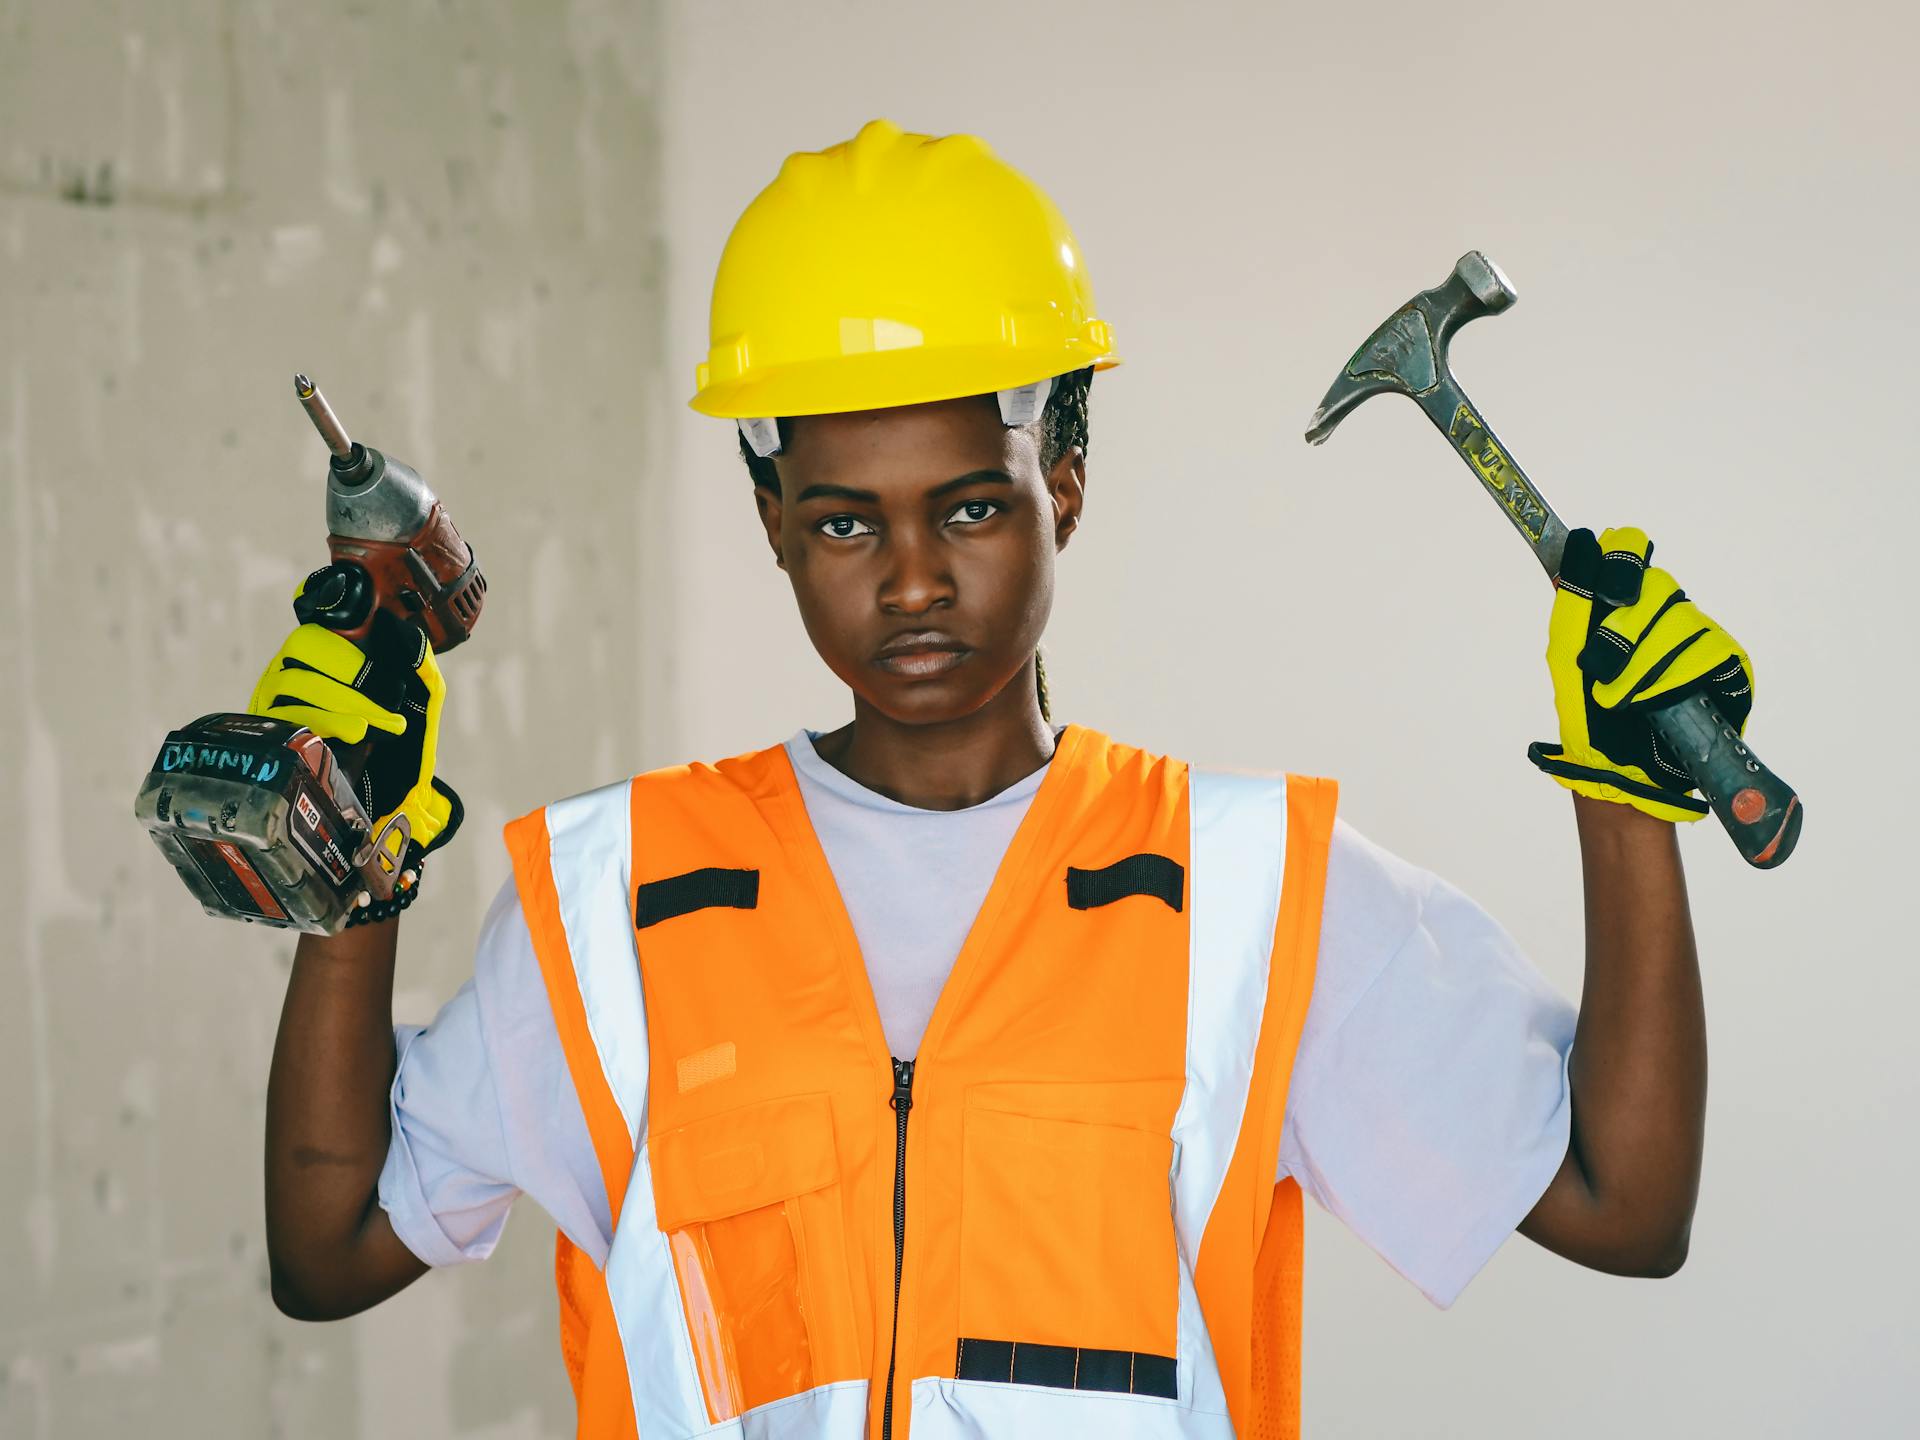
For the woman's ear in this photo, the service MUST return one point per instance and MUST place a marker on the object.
(1067, 485)
(768, 503)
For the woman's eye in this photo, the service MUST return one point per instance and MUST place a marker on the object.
(972, 512)
(844, 527)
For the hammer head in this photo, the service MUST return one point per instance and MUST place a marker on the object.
(1408, 353)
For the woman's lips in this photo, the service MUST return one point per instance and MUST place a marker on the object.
(918, 664)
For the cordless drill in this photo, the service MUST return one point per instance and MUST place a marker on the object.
(266, 821)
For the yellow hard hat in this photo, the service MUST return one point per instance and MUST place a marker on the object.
(894, 269)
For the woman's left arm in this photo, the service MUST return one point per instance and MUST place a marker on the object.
(1624, 638)
(1622, 1200)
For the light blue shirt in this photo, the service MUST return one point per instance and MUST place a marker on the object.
(1428, 1107)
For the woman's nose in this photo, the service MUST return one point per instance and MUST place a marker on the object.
(918, 579)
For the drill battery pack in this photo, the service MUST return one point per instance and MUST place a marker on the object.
(262, 823)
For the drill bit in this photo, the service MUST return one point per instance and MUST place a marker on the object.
(324, 420)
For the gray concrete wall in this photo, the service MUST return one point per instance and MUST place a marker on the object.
(448, 214)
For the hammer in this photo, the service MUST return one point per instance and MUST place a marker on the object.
(1407, 355)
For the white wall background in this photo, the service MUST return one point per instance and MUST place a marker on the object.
(1708, 211)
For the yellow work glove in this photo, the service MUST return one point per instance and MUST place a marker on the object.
(1623, 639)
(392, 688)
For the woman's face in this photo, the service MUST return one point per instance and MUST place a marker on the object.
(920, 541)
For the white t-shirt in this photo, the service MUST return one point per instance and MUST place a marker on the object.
(1428, 1107)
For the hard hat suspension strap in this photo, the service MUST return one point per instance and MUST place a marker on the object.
(1021, 405)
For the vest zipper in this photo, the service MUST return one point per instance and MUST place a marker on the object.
(902, 1103)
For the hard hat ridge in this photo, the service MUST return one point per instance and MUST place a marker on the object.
(877, 149)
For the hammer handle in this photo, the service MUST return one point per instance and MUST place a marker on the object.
(1500, 475)
(1760, 811)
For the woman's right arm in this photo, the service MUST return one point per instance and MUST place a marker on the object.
(330, 1248)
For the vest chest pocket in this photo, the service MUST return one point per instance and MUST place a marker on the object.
(750, 1202)
(1066, 1224)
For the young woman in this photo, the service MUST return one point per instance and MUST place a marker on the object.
(958, 1071)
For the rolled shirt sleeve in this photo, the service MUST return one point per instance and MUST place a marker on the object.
(483, 1110)
(443, 1184)
(1429, 1106)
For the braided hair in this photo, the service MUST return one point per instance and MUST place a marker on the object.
(1062, 425)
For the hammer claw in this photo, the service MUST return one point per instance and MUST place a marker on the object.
(1408, 352)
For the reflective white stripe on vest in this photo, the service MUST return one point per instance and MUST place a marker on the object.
(591, 840)
(829, 1412)
(590, 837)
(947, 1409)
(661, 1373)
(1238, 857)
(1197, 1380)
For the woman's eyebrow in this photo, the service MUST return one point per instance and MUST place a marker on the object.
(826, 491)
(972, 477)
(836, 492)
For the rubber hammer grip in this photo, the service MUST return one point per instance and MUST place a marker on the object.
(1760, 811)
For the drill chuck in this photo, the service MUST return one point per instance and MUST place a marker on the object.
(393, 539)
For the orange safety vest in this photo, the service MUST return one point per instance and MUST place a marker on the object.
(1060, 1219)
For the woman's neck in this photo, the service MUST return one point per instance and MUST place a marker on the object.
(949, 765)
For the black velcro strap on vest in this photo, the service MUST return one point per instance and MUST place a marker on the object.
(1063, 1367)
(1142, 874)
(707, 889)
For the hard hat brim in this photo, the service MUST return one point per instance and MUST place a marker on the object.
(883, 379)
